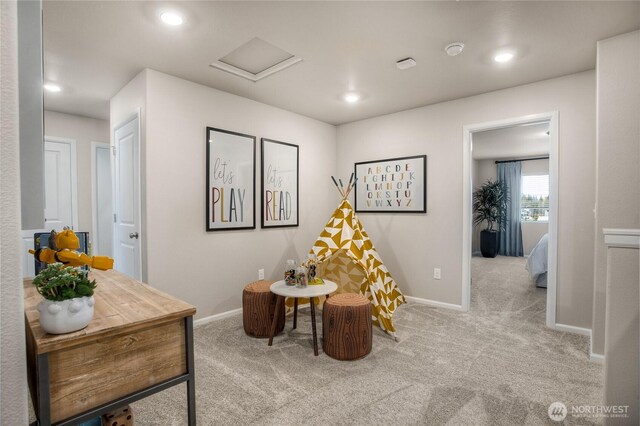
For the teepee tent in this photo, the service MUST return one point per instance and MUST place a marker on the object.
(346, 255)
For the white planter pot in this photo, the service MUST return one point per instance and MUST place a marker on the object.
(66, 316)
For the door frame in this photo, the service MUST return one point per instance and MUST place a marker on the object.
(467, 216)
(94, 190)
(74, 175)
(142, 225)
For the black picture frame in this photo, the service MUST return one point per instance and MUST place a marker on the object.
(371, 191)
(232, 156)
(280, 185)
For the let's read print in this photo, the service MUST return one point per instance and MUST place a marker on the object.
(230, 180)
(279, 184)
(394, 185)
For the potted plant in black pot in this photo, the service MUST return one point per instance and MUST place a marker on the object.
(490, 203)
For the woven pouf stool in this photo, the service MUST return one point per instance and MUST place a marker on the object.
(346, 326)
(258, 307)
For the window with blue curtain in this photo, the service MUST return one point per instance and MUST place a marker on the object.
(510, 173)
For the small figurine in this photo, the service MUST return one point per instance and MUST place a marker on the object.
(312, 264)
(62, 248)
(312, 272)
(301, 277)
(290, 272)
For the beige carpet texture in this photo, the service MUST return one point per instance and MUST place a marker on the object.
(495, 365)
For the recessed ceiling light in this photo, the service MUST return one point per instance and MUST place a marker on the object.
(52, 87)
(171, 18)
(352, 97)
(503, 57)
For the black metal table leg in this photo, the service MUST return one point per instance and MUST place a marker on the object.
(44, 396)
(191, 371)
(313, 326)
(295, 312)
(274, 320)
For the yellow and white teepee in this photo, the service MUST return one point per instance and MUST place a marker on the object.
(346, 255)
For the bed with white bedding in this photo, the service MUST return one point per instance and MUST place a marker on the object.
(537, 262)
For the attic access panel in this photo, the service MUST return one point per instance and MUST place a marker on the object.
(255, 60)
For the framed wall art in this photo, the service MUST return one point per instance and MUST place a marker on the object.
(279, 189)
(231, 177)
(395, 185)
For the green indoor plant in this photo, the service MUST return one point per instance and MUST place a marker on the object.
(68, 298)
(490, 204)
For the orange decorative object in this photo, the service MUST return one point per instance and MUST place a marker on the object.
(62, 248)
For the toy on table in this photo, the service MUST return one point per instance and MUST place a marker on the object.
(290, 272)
(62, 248)
(301, 277)
(312, 264)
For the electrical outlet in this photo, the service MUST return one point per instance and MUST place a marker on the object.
(436, 273)
(261, 274)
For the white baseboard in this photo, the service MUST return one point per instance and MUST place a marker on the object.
(582, 331)
(434, 303)
(216, 317)
(223, 315)
(573, 329)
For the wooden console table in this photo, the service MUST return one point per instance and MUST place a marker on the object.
(139, 342)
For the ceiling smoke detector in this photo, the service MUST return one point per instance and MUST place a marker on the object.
(454, 49)
(406, 63)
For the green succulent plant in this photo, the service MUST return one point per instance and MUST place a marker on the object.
(490, 204)
(58, 282)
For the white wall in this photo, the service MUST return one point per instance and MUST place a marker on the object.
(412, 245)
(130, 101)
(531, 231)
(83, 130)
(618, 171)
(13, 370)
(210, 270)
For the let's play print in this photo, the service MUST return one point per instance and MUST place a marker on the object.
(230, 180)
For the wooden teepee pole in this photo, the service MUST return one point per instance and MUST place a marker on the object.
(345, 191)
(351, 186)
(337, 186)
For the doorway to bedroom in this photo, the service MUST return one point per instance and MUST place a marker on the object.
(512, 170)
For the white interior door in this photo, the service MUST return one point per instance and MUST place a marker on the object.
(126, 199)
(102, 190)
(59, 199)
(60, 192)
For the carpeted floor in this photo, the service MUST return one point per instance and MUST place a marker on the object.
(496, 365)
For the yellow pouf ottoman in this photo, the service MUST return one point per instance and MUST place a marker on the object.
(258, 308)
(346, 326)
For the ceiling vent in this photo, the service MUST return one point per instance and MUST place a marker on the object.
(405, 63)
(255, 60)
